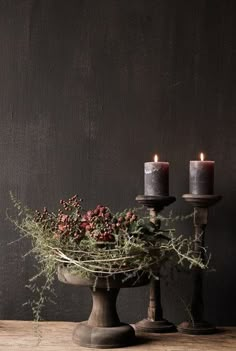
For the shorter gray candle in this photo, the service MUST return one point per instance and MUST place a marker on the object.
(156, 178)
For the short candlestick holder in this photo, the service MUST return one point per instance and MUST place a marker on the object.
(197, 325)
(155, 323)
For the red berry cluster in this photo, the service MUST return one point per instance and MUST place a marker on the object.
(102, 224)
(68, 224)
(45, 218)
(72, 203)
(98, 223)
(71, 221)
(125, 220)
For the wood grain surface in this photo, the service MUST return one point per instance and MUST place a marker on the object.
(56, 336)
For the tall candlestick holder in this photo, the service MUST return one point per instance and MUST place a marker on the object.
(197, 324)
(155, 323)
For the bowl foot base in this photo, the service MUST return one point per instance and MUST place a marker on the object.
(198, 328)
(149, 326)
(103, 337)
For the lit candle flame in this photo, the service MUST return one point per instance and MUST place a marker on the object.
(156, 158)
(202, 157)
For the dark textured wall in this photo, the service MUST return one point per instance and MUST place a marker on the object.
(89, 90)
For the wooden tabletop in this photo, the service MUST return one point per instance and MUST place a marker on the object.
(56, 336)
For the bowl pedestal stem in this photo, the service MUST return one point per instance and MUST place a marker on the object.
(103, 328)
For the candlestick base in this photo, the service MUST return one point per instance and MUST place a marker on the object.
(198, 328)
(150, 326)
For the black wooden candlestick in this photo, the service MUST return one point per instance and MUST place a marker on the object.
(155, 323)
(197, 324)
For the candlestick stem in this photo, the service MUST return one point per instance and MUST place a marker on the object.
(155, 312)
(153, 215)
(200, 223)
(155, 323)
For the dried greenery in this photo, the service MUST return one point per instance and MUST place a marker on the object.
(98, 243)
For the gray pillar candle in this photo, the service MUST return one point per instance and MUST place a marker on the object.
(201, 177)
(156, 178)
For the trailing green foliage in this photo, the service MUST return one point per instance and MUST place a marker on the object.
(98, 243)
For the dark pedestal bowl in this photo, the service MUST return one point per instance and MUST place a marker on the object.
(103, 329)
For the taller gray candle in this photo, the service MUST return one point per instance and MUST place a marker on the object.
(201, 177)
(156, 178)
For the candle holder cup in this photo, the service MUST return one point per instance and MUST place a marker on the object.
(197, 324)
(155, 323)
